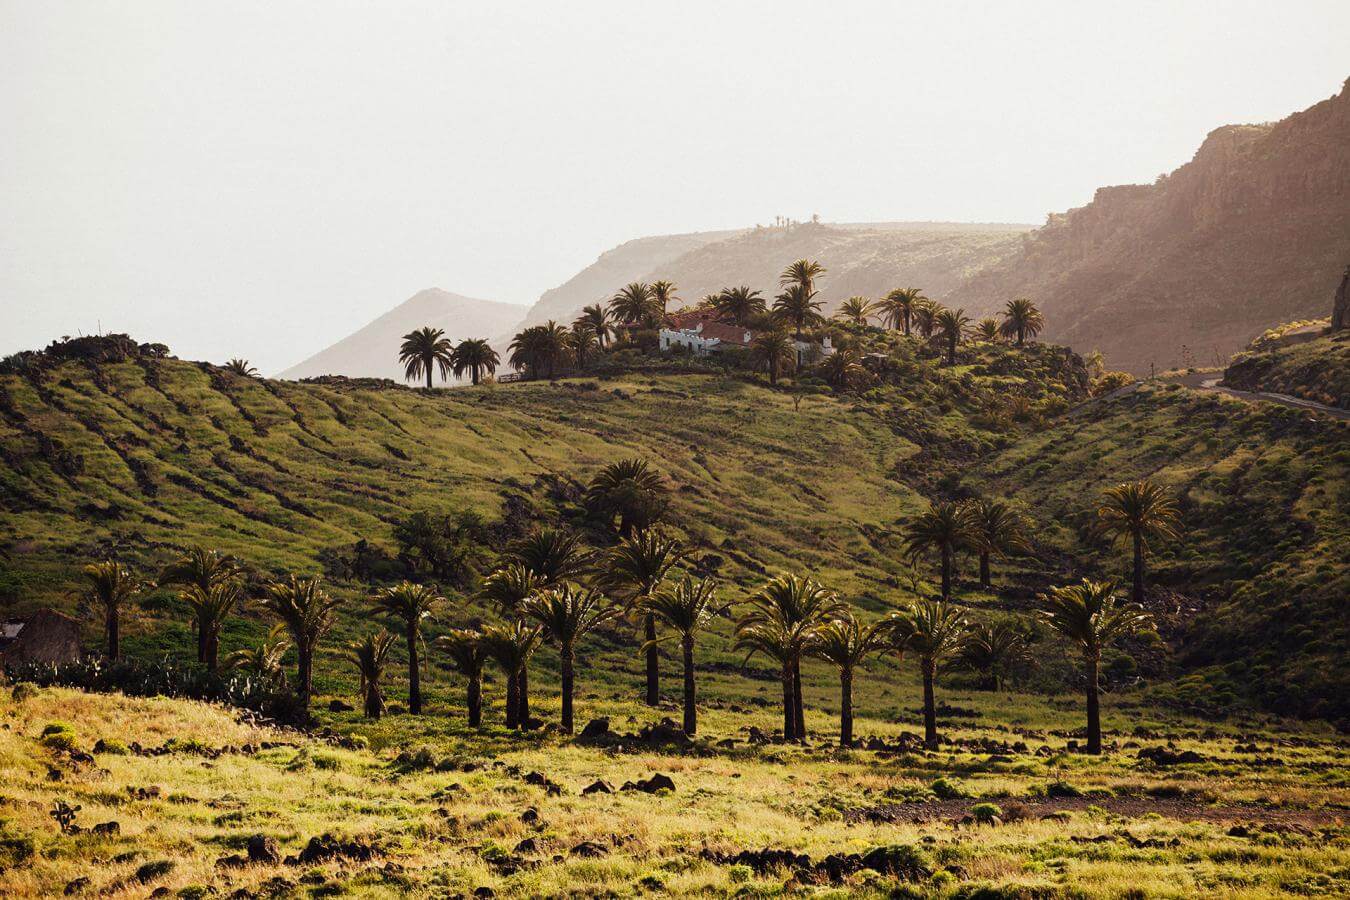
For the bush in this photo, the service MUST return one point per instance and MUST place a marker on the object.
(111, 746)
(947, 790)
(740, 874)
(986, 813)
(59, 736)
(23, 691)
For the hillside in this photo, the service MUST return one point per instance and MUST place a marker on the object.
(866, 259)
(1254, 230)
(1316, 370)
(372, 350)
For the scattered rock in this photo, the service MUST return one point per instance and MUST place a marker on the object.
(74, 887)
(589, 850)
(595, 728)
(326, 847)
(529, 845)
(657, 782)
(530, 816)
(1162, 756)
(263, 849)
(340, 706)
(484, 892)
(106, 828)
(599, 786)
(152, 870)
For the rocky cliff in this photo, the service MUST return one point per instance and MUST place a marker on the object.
(1254, 230)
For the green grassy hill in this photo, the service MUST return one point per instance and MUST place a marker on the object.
(1316, 370)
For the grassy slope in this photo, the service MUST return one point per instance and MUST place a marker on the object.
(1318, 370)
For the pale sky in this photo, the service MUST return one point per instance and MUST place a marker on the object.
(260, 179)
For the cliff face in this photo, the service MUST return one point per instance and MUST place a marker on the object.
(1254, 230)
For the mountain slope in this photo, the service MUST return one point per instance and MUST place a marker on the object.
(1254, 230)
(372, 351)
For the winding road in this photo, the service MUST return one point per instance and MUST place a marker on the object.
(1209, 381)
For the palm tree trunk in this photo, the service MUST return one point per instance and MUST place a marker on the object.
(906, 323)
(374, 702)
(427, 362)
(845, 708)
(798, 712)
(1094, 728)
(305, 677)
(568, 680)
(212, 651)
(1021, 335)
(690, 701)
(789, 705)
(1137, 593)
(475, 701)
(946, 573)
(111, 627)
(513, 700)
(474, 373)
(414, 674)
(985, 581)
(951, 351)
(653, 661)
(523, 696)
(929, 705)
(201, 641)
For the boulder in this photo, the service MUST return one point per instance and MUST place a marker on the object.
(589, 850)
(340, 706)
(263, 849)
(594, 729)
(599, 786)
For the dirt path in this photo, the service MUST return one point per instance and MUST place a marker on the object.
(1131, 807)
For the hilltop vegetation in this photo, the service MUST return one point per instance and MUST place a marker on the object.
(1316, 370)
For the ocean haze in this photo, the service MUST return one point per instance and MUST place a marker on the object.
(260, 180)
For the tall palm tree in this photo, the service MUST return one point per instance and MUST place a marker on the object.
(409, 605)
(781, 644)
(629, 489)
(263, 660)
(775, 352)
(856, 310)
(803, 273)
(994, 651)
(739, 304)
(846, 642)
(663, 293)
(945, 527)
(924, 316)
(987, 331)
(110, 588)
(467, 654)
(800, 605)
(199, 571)
(933, 631)
(1089, 615)
(843, 369)
(633, 305)
(475, 356)
(370, 656)
(581, 345)
(552, 555)
(1139, 511)
(1022, 319)
(996, 530)
(898, 307)
(568, 613)
(308, 612)
(687, 608)
(242, 368)
(511, 647)
(509, 586)
(797, 305)
(539, 349)
(425, 350)
(951, 325)
(596, 318)
(633, 571)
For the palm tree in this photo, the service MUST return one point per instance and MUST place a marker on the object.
(596, 318)
(629, 489)
(1089, 614)
(475, 356)
(581, 344)
(552, 555)
(797, 305)
(899, 305)
(307, 610)
(511, 646)
(200, 571)
(370, 655)
(781, 644)
(951, 325)
(263, 660)
(539, 348)
(987, 331)
(687, 608)
(994, 651)
(241, 367)
(426, 349)
(924, 316)
(568, 613)
(110, 587)
(1138, 511)
(634, 571)
(410, 605)
(508, 587)
(633, 305)
(739, 304)
(1021, 319)
(856, 310)
(776, 352)
(798, 605)
(996, 530)
(933, 630)
(466, 651)
(846, 642)
(663, 292)
(944, 526)
(803, 273)
(843, 369)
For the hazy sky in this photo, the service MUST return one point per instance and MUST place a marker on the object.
(259, 179)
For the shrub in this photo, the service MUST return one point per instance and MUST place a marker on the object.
(985, 813)
(1062, 789)
(59, 736)
(23, 691)
(152, 870)
(740, 874)
(947, 790)
(111, 746)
